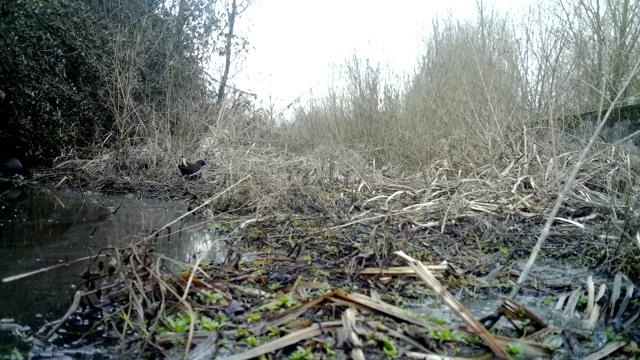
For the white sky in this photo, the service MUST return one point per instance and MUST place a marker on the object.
(295, 42)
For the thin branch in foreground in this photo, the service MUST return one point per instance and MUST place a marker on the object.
(567, 185)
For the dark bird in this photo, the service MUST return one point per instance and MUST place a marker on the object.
(13, 167)
(191, 170)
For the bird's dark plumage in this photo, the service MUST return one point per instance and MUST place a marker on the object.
(191, 170)
(13, 167)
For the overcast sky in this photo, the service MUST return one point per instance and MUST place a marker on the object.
(295, 42)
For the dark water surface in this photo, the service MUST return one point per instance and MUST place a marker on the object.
(39, 229)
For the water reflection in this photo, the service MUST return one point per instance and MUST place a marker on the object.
(40, 229)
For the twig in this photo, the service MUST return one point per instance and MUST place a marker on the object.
(74, 306)
(567, 185)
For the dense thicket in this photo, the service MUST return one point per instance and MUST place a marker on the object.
(82, 73)
(482, 83)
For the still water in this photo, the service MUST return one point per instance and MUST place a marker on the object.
(39, 229)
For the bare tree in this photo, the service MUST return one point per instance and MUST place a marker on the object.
(227, 52)
(602, 36)
(230, 38)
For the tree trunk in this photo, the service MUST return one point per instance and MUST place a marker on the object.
(227, 50)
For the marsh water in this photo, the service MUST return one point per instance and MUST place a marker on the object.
(39, 229)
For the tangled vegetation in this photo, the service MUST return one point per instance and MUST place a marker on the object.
(81, 75)
(490, 152)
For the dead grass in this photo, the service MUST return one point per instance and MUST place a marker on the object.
(344, 189)
(325, 224)
(320, 261)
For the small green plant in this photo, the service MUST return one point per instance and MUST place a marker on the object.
(286, 302)
(612, 336)
(398, 299)
(178, 323)
(318, 272)
(549, 300)
(275, 332)
(436, 320)
(331, 251)
(473, 341)
(241, 332)
(514, 350)
(222, 318)
(446, 335)
(582, 301)
(208, 324)
(253, 318)
(329, 350)
(389, 348)
(253, 341)
(301, 354)
(443, 335)
(207, 297)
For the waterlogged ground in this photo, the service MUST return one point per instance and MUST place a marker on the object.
(39, 229)
(292, 264)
